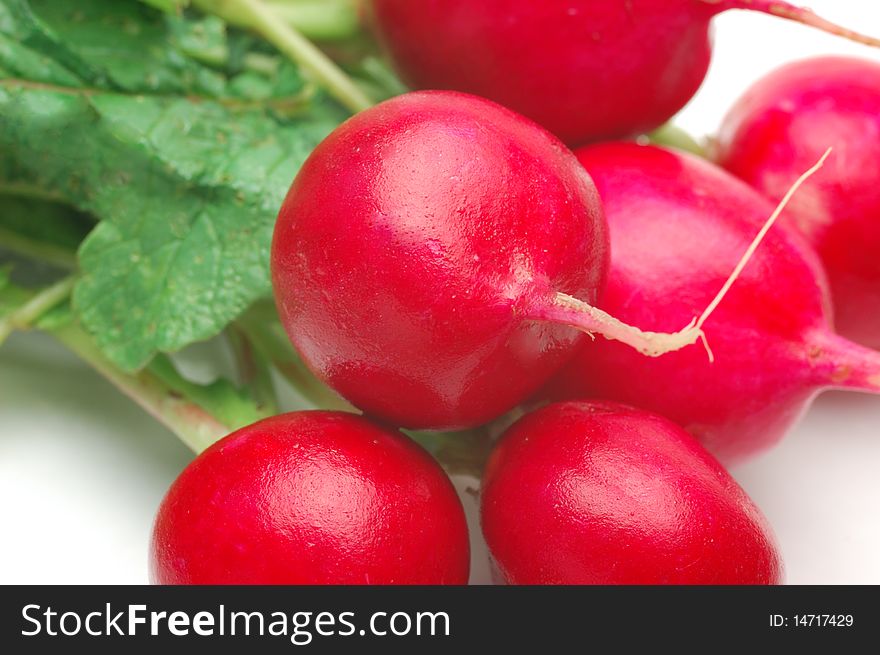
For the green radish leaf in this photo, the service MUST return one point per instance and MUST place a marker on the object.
(184, 165)
(14, 299)
(203, 40)
(56, 318)
(106, 44)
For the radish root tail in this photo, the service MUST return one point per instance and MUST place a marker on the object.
(797, 14)
(583, 316)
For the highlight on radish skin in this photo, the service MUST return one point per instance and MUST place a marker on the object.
(581, 68)
(678, 224)
(782, 122)
(455, 227)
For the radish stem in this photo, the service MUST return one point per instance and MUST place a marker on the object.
(39, 250)
(322, 20)
(798, 14)
(191, 423)
(672, 136)
(259, 16)
(842, 364)
(265, 333)
(23, 317)
(459, 453)
(253, 370)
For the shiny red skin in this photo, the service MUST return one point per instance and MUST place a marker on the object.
(678, 227)
(311, 498)
(787, 120)
(599, 493)
(414, 245)
(584, 69)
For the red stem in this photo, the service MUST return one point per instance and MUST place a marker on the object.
(798, 14)
(843, 364)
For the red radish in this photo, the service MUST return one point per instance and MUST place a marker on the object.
(677, 225)
(432, 252)
(311, 498)
(585, 69)
(785, 121)
(599, 493)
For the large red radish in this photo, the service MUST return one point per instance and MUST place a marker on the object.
(585, 69)
(311, 498)
(436, 257)
(599, 493)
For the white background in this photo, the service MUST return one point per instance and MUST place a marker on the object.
(82, 469)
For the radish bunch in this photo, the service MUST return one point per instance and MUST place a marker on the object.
(441, 260)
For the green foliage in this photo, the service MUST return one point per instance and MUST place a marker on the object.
(179, 138)
(43, 222)
(11, 296)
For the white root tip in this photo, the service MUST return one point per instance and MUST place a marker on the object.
(657, 344)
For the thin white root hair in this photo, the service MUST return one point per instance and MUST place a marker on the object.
(749, 253)
(654, 344)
